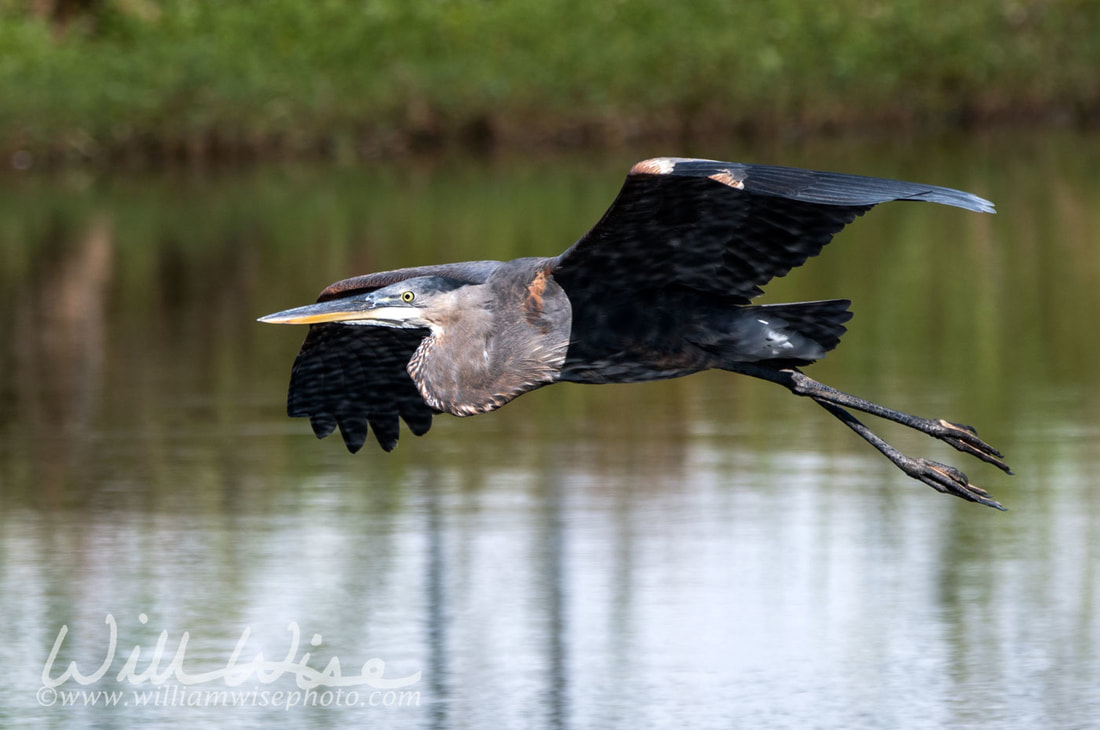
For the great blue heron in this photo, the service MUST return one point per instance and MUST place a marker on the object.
(660, 287)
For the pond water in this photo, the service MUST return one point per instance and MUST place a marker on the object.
(706, 552)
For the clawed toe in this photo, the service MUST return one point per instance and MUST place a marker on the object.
(949, 480)
(965, 439)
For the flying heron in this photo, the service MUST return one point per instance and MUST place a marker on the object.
(660, 287)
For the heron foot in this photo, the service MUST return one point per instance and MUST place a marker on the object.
(947, 480)
(965, 439)
(941, 477)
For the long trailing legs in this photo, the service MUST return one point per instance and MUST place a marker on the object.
(941, 477)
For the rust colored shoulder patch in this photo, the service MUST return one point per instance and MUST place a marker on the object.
(726, 177)
(533, 303)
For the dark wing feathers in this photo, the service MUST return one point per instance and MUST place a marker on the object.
(351, 376)
(354, 377)
(725, 228)
(832, 188)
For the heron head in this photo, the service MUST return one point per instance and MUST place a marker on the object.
(416, 302)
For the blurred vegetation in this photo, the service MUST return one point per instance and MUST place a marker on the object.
(189, 78)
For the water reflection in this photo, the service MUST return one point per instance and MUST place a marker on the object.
(57, 352)
(707, 551)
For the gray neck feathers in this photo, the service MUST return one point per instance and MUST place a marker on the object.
(497, 340)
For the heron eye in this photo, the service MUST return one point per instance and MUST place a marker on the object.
(407, 296)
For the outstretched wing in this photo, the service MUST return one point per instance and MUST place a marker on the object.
(354, 376)
(725, 228)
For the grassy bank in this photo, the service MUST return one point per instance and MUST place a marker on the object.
(145, 78)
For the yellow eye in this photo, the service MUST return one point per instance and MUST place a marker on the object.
(407, 296)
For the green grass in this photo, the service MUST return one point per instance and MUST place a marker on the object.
(344, 77)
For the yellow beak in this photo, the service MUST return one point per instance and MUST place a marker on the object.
(349, 309)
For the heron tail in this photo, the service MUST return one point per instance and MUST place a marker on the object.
(780, 334)
(820, 321)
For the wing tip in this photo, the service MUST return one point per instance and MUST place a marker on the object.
(958, 199)
(981, 205)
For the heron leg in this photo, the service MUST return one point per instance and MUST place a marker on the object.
(941, 477)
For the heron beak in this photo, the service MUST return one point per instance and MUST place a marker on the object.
(349, 309)
(335, 310)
